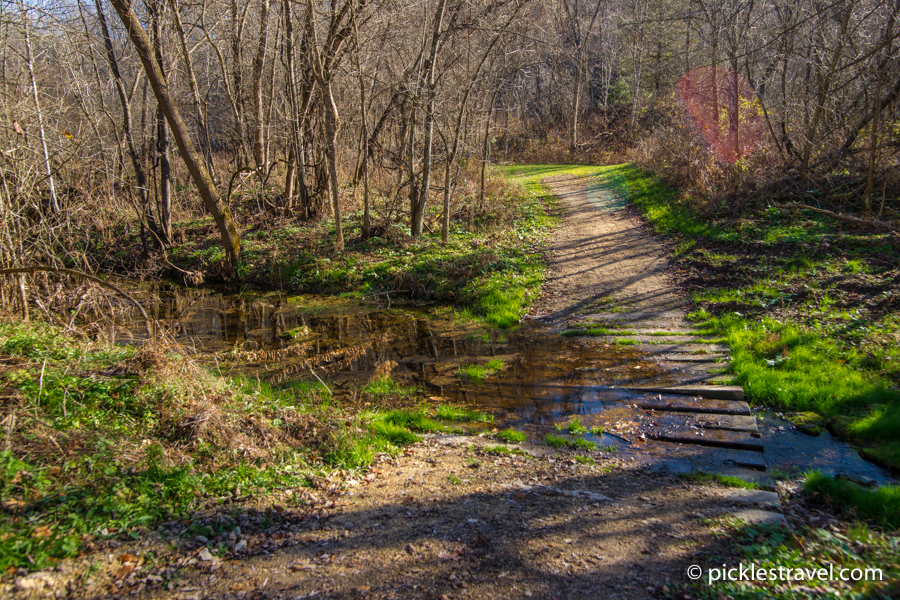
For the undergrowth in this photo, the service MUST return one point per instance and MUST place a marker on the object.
(106, 442)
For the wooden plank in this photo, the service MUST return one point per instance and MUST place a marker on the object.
(737, 440)
(717, 392)
(672, 420)
(693, 405)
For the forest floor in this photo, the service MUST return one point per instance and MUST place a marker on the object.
(442, 517)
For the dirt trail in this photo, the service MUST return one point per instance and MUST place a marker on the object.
(446, 519)
(604, 257)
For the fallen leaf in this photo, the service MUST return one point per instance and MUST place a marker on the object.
(42, 531)
(128, 558)
(124, 571)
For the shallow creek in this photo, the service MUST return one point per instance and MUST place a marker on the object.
(545, 378)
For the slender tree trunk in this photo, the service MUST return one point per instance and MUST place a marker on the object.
(202, 124)
(825, 88)
(331, 156)
(257, 84)
(576, 108)
(136, 162)
(237, 34)
(363, 111)
(192, 160)
(486, 146)
(417, 216)
(164, 200)
(873, 147)
(29, 57)
(289, 179)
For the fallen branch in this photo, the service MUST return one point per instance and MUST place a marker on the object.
(841, 217)
(97, 280)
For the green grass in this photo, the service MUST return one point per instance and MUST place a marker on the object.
(506, 450)
(788, 367)
(384, 387)
(591, 331)
(585, 460)
(511, 436)
(558, 441)
(138, 455)
(412, 419)
(797, 340)
(880, 506)
(725, 480)
(809, 549)
(477, 373)
(453, 413)
(576, 428)
(584, 444)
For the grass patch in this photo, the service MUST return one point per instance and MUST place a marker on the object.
(585, 460)
(477, 373)
(556, 441)
(808, 549)
(511, 436)
(725, 480)
(152, 436)
(592, 332)
(383, 387)
(412, 419)
(880, 506)
(505, 450)
(576, 428)
(453, 413)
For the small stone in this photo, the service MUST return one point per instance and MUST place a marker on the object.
(202, 539)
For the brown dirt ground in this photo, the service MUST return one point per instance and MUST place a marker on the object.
(603, 259)
(447, 519)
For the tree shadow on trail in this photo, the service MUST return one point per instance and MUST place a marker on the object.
(420, 538)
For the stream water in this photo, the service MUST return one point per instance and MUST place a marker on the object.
(545, 379)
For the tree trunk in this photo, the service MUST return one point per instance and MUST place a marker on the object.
(192, 160)
(258, 62)
(29, 57)
(202, 125)
(126, 107)
(486, 146)
(331, 156)
(417, 216)
(164, 200)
